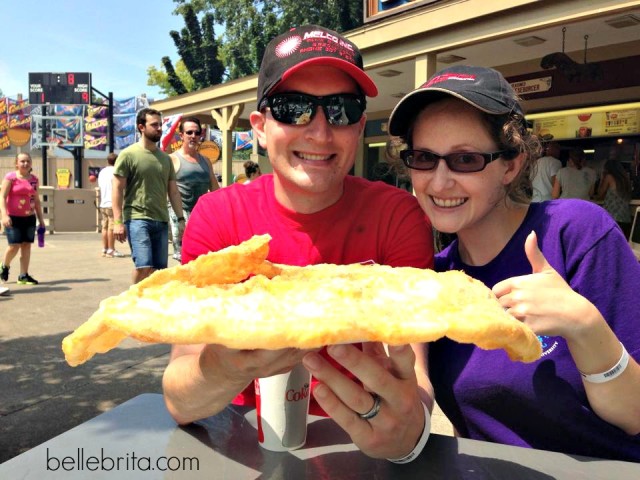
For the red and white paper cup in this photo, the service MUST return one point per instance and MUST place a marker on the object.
(282, 406)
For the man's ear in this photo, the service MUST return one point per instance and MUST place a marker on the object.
(258, 121)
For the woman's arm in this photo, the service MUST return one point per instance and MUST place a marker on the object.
(4, 193)
(557, 189)
(547, 304)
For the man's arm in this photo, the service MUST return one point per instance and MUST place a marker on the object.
(175, 198)
(117, 195)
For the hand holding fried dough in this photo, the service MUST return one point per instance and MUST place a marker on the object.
(212, 301)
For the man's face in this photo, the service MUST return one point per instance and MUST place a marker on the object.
(191, 134)
(152, 129)
(310, 161)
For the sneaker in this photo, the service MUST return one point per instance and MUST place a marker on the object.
(117, 254)
(4, 273)
(104, 252)
(26, 279)
(177, 256)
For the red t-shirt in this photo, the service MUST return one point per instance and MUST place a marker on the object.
(371, 222)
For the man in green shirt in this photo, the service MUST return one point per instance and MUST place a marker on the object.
(142, 179)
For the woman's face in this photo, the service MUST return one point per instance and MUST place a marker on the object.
(23, 163)
(456, 201)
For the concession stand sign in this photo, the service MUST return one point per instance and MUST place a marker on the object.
(583, 125)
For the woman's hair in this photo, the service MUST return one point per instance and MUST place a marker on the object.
(623, 183)
(250, 168)
(510, 133)
(577, 157)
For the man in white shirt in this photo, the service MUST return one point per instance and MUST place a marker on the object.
(105, 178)
(545, 175)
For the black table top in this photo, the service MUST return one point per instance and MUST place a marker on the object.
(139, 439)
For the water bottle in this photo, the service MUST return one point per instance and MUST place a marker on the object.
(41, 236)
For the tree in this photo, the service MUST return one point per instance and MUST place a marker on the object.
(249, 25)
(160, 78)
(198, 50)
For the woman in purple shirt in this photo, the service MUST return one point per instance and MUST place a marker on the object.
(563, 267)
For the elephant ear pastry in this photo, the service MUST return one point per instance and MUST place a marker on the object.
(235, 297)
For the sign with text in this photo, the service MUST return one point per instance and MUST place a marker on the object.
(584, 125)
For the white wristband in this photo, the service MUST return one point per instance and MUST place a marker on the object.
(612, 373)
(421, 443)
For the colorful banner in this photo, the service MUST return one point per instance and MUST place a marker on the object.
(124, 124)
(17, 106)
(73, 126)
(4, 123)
(124, 106)
(95, 142)
(20, 120)
(68, 110)
(3, 105)
(124, 142)
(97, 111)
(169, 126)
(4, 141)
(96, 125)
(243, 139)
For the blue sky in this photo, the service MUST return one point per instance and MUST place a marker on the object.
(115, 40)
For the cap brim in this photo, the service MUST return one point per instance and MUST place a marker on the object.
(405, 111)
(362, 79)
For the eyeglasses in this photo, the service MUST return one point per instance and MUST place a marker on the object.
(464, 162)
(193, 132)
(300, 109)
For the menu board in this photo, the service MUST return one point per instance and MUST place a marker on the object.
(597, 124)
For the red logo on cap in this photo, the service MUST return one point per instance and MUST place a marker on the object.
(288, 46)
(449, 76)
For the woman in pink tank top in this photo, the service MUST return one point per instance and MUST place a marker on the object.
(19, 206)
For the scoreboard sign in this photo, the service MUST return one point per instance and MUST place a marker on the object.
(69, 88)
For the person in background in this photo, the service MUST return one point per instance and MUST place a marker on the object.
(575, 180)
(105, 181)
(142, 179)
(552, 265)
(615, 193)
(19, 207)
(251, 170)
(315, 213)
(546, 169)
(194, 176)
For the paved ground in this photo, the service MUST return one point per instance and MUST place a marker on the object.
(40, 395)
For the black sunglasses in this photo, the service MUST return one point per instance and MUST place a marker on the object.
(193, 132)
(300, 108)
(464, 162)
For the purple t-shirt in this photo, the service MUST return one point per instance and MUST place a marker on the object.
(543, 404)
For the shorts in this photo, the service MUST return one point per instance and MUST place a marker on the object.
(106, 218)
(22, 230)
(149, 243)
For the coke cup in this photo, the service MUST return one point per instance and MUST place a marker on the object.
(282, 405)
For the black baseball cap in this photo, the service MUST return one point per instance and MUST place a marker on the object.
(484, 88)
(310, 45)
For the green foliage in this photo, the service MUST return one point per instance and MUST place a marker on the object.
(160, 78)
(249, 25)
(198, 49)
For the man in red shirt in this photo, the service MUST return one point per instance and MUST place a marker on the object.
(312, 92)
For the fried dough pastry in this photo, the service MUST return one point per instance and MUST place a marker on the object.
(234, 297)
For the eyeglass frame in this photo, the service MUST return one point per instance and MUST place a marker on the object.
(487, 158)
(193, 132)
(318, 101)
